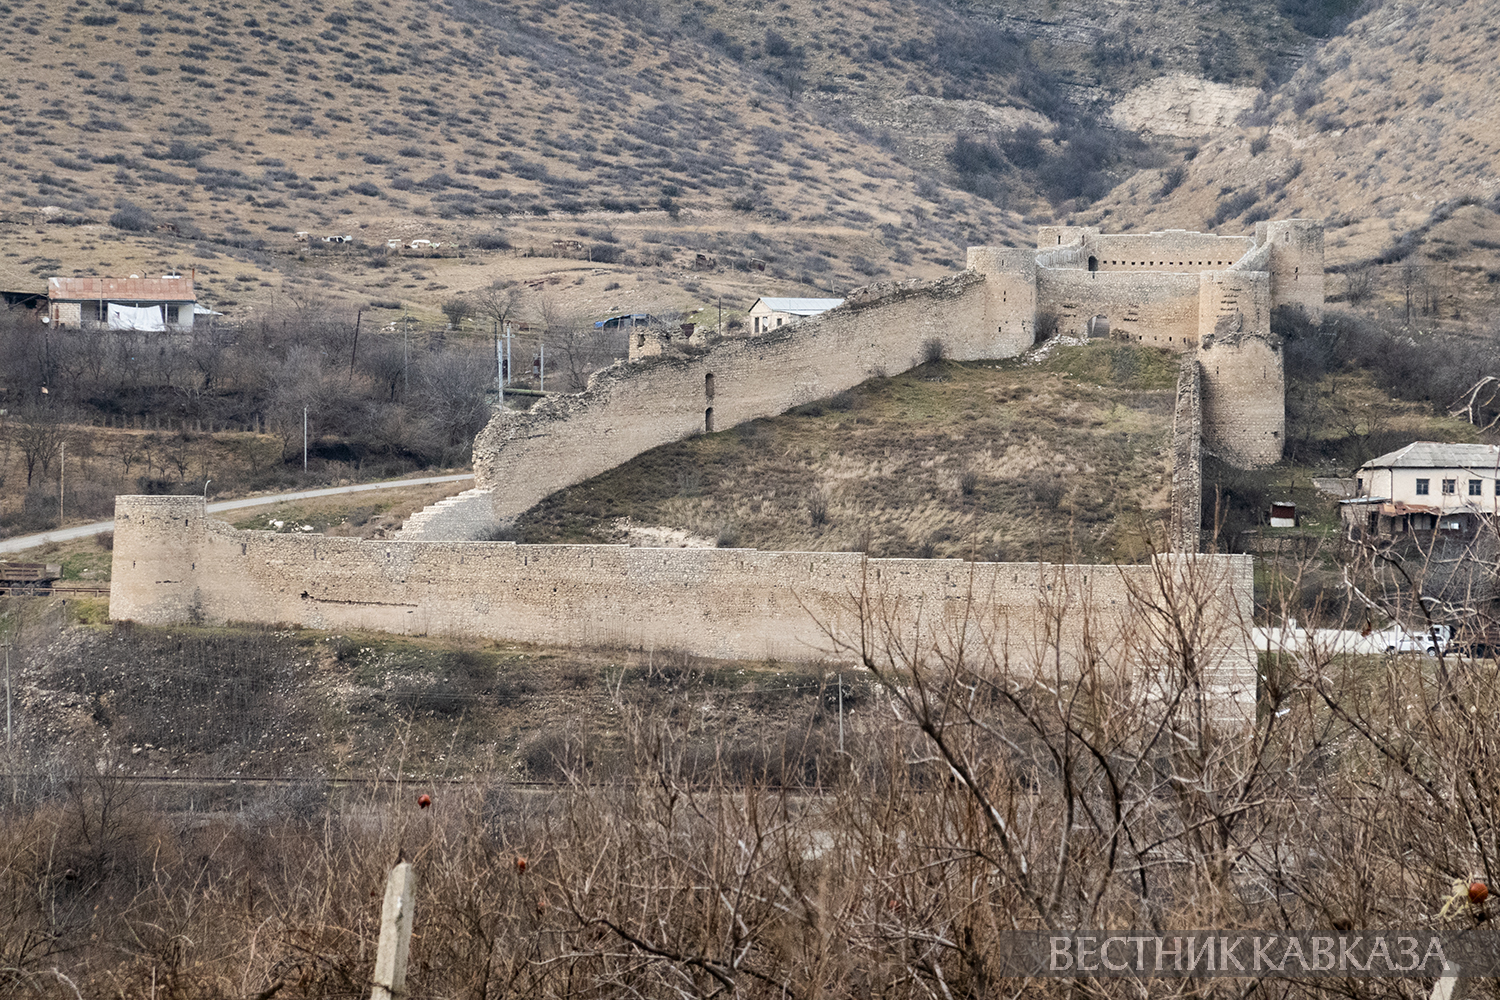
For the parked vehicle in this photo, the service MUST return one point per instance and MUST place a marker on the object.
(1434, 641)
(1478, 641)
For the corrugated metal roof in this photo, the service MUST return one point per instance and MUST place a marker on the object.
(121, 289)
(801, 307)
(1436, 455)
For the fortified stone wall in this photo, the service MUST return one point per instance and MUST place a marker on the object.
(1159, 309)
(1187, 458)
(1172, 250)
(1147, 287)
(1048, 237)
(1296, 262)
(172, 564)
(1010, 296)
(628, 409)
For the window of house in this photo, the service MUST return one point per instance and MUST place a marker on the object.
(1359, 485)
(1424, 487)
(1450, 487)
(171, 314)
(1476, 487)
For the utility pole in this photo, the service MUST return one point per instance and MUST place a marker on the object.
(510, 372)
(719, 325)
(304, 439)
(500, 371)
(542, 381)
(358, 314)
(406, 354)
(62, 476)
(841, 713)
(7, 693)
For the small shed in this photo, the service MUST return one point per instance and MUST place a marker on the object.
(769, 313)
(133, 303)
(1283, 514)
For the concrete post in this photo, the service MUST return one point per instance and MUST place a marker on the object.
(395, 935)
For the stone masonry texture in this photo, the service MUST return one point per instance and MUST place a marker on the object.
(1186, 291)
(174, 565)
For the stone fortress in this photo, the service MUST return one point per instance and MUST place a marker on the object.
(1208, 297)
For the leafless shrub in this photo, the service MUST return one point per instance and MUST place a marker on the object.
(817, 507)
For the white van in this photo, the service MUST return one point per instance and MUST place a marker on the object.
(1434, 641)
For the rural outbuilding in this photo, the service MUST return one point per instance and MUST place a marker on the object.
(133, 303)
(769, 313)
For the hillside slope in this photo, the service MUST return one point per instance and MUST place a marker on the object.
(1063, 456)
(240, 127)
(1387, 133)
(826, 144)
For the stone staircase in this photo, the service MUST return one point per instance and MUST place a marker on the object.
(464, 516)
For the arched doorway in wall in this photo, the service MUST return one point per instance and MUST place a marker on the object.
(708, 420)
(1098, 326)
(1093, 263)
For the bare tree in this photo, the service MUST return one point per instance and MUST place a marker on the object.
(6, 448)
(452, 394)
(40, 436)
(576, 347)
(497, 303)
(1359, 283)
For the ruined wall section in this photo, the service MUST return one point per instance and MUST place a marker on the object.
(1244, 385)
(630, 408)
(1187, 458)
(738, 603)
(1159, 309)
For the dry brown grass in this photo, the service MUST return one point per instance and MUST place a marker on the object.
(1062, 460)
(252, 124)
(1384, 140)
(977, 794)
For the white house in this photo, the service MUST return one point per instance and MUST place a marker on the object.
(769, 313)
(1426, 486)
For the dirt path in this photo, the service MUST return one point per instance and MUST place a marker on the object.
(22, 542)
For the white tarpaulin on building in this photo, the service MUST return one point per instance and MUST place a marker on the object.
(136, 318)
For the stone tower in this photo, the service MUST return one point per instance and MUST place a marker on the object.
(1009, 297)
(1296, 263)
(1244, 387)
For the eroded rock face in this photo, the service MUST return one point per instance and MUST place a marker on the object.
(1183, 106)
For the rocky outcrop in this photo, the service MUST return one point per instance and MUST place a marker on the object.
(1183, 106)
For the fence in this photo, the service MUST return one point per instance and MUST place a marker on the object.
(158, 422)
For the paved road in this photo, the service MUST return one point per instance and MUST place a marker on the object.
(22, 542)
